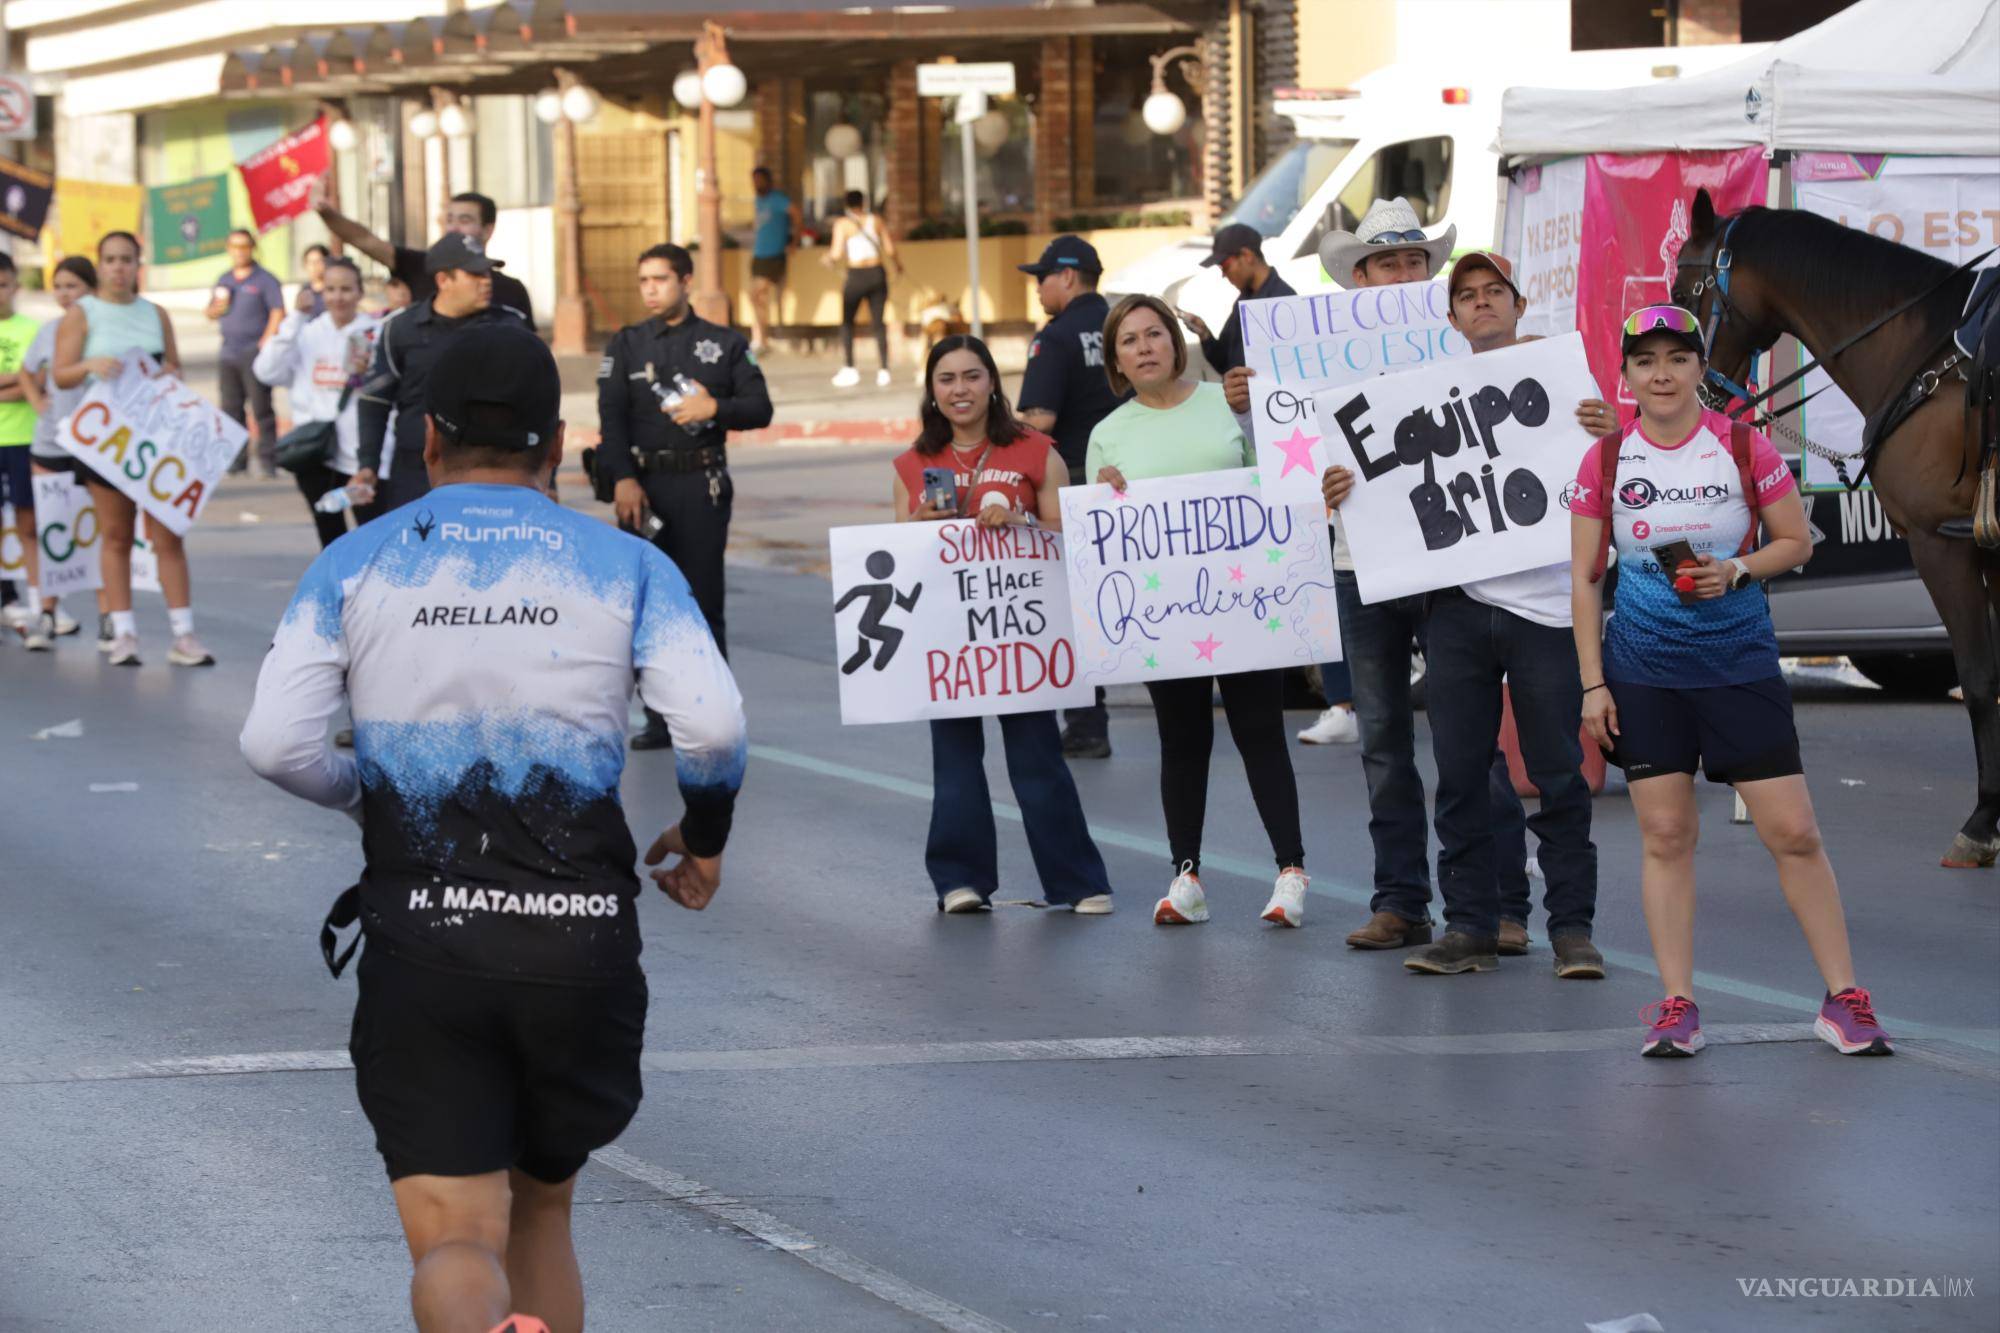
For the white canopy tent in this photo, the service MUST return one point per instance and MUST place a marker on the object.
(1883, 76)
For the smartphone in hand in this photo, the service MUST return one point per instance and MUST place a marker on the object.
(940, 488)
(1671, 556)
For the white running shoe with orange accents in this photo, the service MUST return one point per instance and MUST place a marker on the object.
(1185, 903)
(1288, 899)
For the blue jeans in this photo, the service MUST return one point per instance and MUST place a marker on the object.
(1472, 648)
(1375, 641)
(963, 851)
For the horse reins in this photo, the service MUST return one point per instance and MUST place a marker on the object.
(1716, 268)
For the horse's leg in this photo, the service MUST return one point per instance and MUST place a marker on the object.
(1954, 573)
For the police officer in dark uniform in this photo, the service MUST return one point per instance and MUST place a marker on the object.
(669, 390)
(409, 345)
(1064, 394)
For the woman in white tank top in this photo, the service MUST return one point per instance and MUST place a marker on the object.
(864, 245)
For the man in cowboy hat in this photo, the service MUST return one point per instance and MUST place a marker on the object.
(1388, 246)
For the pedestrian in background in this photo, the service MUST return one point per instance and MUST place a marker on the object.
(862, 243)
(1170, 428)
(321, 360)
(312, 290)
(468, 213)
(75, 276)
(246, 305)
(91, 343)
(1238, 250)
(669, 390)
(1064, 393)
(17, 432)
(777, 230)
(1685, 676)
(1005, 474)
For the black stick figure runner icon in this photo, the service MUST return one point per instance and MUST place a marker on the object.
(880, 565)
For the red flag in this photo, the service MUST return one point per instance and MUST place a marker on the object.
(280, 178)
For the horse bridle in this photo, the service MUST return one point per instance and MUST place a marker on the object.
(1716, 388)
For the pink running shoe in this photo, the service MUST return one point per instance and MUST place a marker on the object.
(1847, 1023)
(1676, 1027)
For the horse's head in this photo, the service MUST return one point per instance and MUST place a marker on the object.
(1725, 299)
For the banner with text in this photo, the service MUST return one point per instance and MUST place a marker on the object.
(1461, 469)
(280, 178)
(189, 220)
(1544, 237)
(951, 620)
(66, 526)
(1297, 344)
(1197, 576)
(155, 439)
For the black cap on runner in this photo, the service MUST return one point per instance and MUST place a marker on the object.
(495, 384)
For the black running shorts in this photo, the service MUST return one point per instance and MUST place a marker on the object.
(463, 1075)
(1731, 733)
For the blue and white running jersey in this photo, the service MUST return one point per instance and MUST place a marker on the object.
(488, 641)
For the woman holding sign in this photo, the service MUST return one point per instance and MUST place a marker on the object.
(75, 277)
(1685, 675)
(974, 457)
(91, 343)
(1172, 427)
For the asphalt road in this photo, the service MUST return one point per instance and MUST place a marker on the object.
(862, 1115)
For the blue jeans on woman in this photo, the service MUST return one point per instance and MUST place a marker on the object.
(963, 850)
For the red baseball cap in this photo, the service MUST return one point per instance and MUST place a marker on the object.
(1478, 259)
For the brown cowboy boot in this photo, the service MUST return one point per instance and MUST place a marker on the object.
(1386, 930)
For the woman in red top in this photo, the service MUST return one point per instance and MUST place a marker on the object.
(1004, 479)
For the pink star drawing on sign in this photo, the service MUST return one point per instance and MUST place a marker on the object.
(1236, 573)
(1205, 648)
(1297, 451)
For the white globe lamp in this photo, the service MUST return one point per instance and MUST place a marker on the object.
(687, 89)
(424, 124)
(453, 123)
(843, 142)
(990, 132)
(1164, 113)
(724, 85)
(341, 135)
(579, 104)
(548, 106)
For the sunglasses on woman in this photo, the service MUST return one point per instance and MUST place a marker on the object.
(1672, 318)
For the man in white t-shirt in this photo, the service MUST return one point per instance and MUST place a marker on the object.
(1516, 629)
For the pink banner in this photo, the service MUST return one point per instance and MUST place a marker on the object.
(1635, 220)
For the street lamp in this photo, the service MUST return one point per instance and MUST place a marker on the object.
(1165, 113)
(722, 84)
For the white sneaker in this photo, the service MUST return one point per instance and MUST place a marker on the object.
(188, 652)
(65, 624)
(960, 901)
(846, 377)
(41, 634)
(1288, 900)
(1336, 726)
(15, 617)
(104, 636)
(1098, 904)
(124, 650)
(1185, 903)
(882, 378)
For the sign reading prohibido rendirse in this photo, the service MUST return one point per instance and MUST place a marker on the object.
(1301, 344)
(1201, 575)
(1462, 469)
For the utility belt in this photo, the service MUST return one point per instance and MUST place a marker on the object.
(680, 460)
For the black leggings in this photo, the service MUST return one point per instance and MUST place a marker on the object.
(870, 287)
(1254, 702)
(315, 480)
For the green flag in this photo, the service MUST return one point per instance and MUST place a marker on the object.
(189, 220)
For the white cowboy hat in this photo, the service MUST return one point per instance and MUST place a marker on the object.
(1391, 224)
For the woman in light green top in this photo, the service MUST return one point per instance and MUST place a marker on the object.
(91, 343)
(1170, 428)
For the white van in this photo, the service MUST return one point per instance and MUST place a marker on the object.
(1410, 130)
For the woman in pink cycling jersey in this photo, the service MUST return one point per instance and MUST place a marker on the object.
(1685, 675)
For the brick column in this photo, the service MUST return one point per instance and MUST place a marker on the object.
(1216, 118)
(793, 177)
(769, 102)
(1710, 22)
(1055, 134)
(905, 185)
(1083, 172)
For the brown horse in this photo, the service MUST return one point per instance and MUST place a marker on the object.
(1760, 273)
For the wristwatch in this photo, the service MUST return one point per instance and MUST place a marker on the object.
(1741, 578)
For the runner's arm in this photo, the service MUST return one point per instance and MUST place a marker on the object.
(353, 233)
(170, 356)
(277, 357)
(302, 686)
(67, 367)
(683, 678)
(11, 390)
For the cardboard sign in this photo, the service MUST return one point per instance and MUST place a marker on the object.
(951, 620)
(280, 178)
(67, 532)
(158, 441)
(1298, 344)
(1199, 575)
(1462, 470)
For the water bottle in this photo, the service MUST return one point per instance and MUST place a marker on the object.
(672, 392)
(335, 501)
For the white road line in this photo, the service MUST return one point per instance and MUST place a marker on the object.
(1049, 1049)
(836, 1262)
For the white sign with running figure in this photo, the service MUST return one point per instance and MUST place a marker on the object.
(1300, 345)
(1462, 470)
(951, 619)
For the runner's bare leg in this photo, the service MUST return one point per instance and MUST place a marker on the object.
(175, 582)
(457, 1230)
(541, 1257)
(116, 518)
